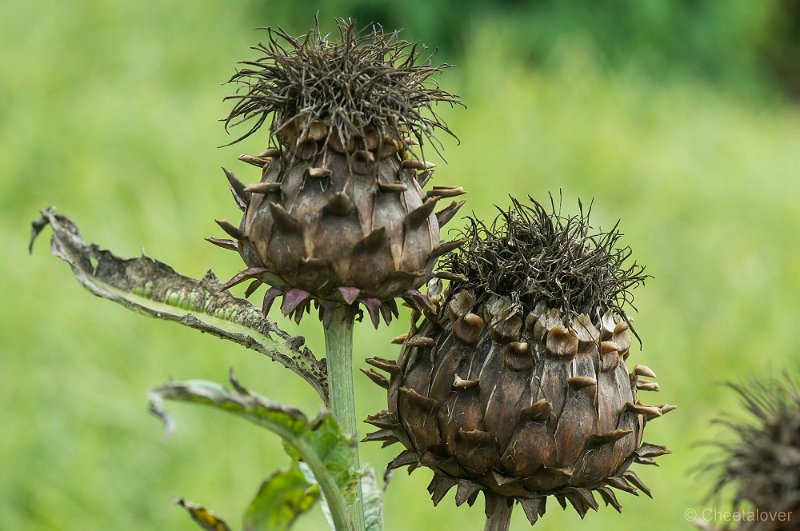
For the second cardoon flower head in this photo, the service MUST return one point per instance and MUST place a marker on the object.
(339, 216)
(761, 464)
(515, 384)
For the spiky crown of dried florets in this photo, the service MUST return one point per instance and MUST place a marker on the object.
(531, 255)
(367, 79)
(762, 462)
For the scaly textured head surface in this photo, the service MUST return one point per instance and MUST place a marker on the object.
(505, 388)
(339, 216)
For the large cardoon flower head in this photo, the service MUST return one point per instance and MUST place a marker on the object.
(515, 383)
(339, 215)
(760, 465)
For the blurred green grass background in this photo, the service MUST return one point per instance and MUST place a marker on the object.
(676, 118)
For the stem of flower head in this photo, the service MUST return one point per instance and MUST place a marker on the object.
(500, 517)
(339, 351)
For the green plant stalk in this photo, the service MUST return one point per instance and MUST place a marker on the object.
(339, 351)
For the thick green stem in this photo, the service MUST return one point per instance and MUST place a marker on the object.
(339, 351)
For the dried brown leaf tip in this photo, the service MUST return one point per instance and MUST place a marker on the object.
(531, 254)
(760, 463)
(365, 83)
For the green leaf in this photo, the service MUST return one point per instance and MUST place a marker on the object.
(204, 518)
(372, 496)
(373, 500)
(320, 443)
(282, 498)
(153, 288)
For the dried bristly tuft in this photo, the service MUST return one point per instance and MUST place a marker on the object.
(530, 255)
(368, 79)
(762, 462)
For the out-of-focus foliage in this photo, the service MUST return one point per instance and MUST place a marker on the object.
(736, 42)
(109, 110)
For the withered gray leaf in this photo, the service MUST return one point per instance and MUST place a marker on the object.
(155, 289)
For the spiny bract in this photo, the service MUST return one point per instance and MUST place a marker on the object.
(762, 462)
(515, 383)
(339, 216)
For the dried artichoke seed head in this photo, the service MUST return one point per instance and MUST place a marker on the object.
(762, 462)
(339, 215)
(516, 383)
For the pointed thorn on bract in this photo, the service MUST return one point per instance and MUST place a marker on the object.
(372, 241)
(349, 294)
(254, 285)
(406, 458)
(229, 245)
(380, 435)
(247, 274)
(579, 382)
(631, 476)
(319, 173)
(326, 312)
(399, 340)
(300, 311)
(439, 486)
(445, 191)
(377, 377)
(269, 298)
(644, 370)
(423, 177)
(420, 342)
(283, 220)
(363, 155)
(263, 188)
(466, 489)
(621, 484)
(649, 412)
(384, 419)
(447, 213)
(231, 230)
(610, 498)
(292, 299)
(373, 306)
(353, 313)
(389, 366)
(339, 205)
(241, 204)
(446, 247)
(386, 311)
(257, 161)
(270, 153)
(666, 408)
(420, 165)
(392, 188)
(419, 215)
(447, 275)
(236, 185)
(531, 507)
